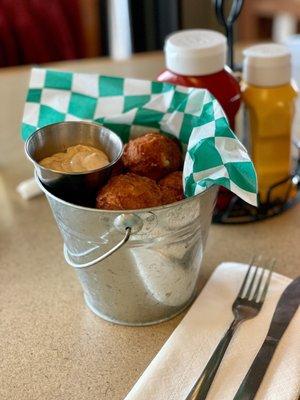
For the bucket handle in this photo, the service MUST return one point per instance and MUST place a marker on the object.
(101, 258)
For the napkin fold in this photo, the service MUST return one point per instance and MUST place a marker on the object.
(173, 371)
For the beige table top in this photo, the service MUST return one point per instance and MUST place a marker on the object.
(52, 346)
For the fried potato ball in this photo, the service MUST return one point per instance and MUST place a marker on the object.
(129, 192)
(152, 155)
(172, 188)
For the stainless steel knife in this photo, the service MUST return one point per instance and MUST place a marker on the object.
(284, 312)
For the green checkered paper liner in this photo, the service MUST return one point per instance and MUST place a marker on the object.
(131, 107)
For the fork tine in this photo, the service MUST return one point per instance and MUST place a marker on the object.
(248, 294)
(263, 295)
(246, 277)
(258, 286)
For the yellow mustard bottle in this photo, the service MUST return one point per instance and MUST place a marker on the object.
(269, 97)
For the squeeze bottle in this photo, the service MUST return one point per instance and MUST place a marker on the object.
(196, 58)
(269, 97)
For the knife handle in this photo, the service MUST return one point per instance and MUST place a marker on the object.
(256, 372)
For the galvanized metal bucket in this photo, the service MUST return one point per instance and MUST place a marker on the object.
(136, 267)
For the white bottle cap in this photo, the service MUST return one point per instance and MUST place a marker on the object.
(267, 64)
(195, 52)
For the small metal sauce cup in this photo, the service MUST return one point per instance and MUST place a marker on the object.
(76, 187)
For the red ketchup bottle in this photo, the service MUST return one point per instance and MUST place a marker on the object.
(196, 58)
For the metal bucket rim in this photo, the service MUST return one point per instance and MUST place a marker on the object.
(36, 164)
(112, 212)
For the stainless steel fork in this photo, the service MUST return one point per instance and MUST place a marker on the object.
(247, 304)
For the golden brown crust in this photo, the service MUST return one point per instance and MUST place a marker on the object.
(174, 179)
(129, 192)
(171, 186)
(152, 155)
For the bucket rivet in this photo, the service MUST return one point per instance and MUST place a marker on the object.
(132, 221)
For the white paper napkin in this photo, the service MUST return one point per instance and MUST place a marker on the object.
(29, 189)
(173, 371)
